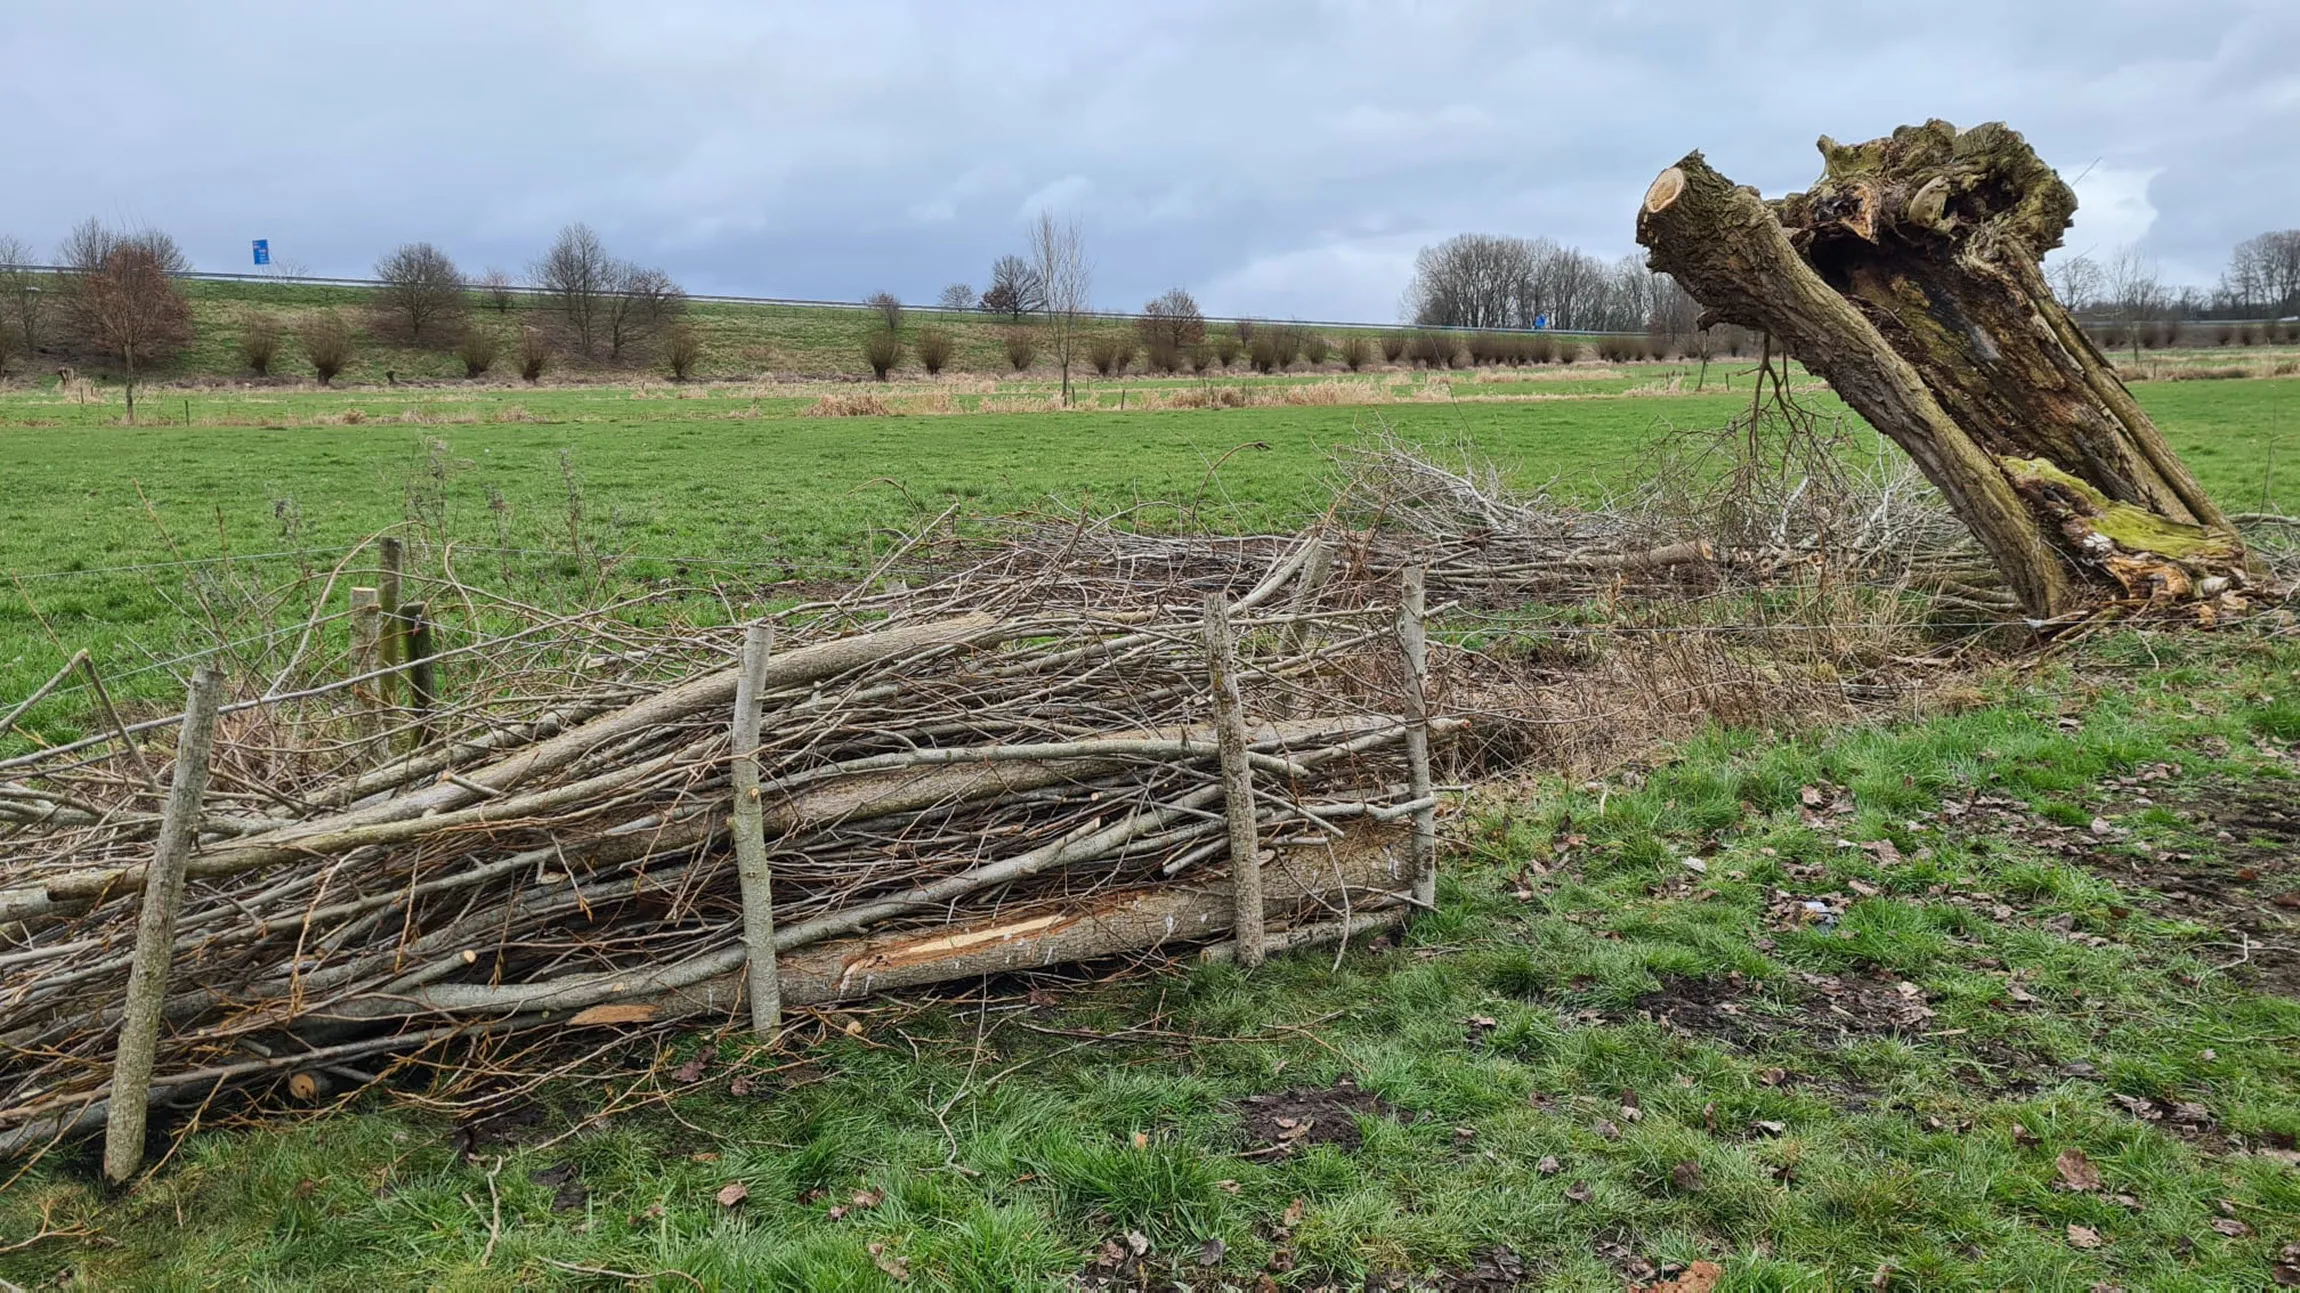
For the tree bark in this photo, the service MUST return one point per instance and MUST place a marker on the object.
(1908, 278)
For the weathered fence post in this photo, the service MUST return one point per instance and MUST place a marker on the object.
(366, 657)
(422, 671)
(1413, 640)
(764, 989)
(387, 608)
(1237, 782)
(156, 931)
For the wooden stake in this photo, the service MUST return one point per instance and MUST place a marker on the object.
(156, 931)
(422, 671)
(387, 604)
(1413, 639)
(119, 728)
(761, 984)
(366, 656)
(1237, 782)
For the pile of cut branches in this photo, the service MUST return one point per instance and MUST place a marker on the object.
(1006, 768)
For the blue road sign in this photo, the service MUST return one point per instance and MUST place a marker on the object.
(1539, 320)
(263, 251)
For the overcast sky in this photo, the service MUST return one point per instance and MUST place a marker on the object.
(1276, 158)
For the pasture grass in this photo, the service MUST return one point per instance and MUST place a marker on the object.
(1544, 1083)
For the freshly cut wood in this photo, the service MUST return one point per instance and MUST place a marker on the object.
(1908, 277)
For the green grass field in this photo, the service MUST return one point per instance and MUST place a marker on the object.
(1877, 1088)
(1591, 1061)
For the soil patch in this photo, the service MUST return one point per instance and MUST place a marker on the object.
(1288, 1120)
(2247, 882)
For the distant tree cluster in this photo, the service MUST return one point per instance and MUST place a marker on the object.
(1477, 280)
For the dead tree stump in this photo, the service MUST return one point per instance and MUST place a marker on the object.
(1908, 278)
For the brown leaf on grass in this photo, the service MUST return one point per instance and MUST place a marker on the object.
(2231, 1227)
(1607, 1130)
(896, 1268)
(2076, 1170)
(1579, 1192)
(733, 1193)
(1700, 1277)
(1211, 1252)
(611, 1014)
(1686, 1176)
(868, 1198)
(1548, 1166)
(692, 1070)
(1293, 1214)
(739, 1088)
(2082, 1236)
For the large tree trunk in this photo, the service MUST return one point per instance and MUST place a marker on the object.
(1908, 278)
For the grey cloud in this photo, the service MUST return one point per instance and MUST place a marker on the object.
(1280, 157)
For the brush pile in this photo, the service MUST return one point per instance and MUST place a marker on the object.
(1008, 767)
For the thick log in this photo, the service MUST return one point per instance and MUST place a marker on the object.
(1909, 279)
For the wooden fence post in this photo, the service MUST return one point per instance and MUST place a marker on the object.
(156, 931)
(1237, 782)
(366, 657)
(764, 989)
(422, 671)
(1413, 640)
(387, 608)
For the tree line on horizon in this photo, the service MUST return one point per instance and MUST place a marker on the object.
(115, 293)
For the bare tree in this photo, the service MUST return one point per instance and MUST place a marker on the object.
(327, 343)
(1172, 320)
(2264, 273)
(638, 304)
(495, 289)
(2130, 283)
(1015, 290)
(2076, 282)
(889, 307)
(120, 296)
(1470, 280)
(22, 293)
(578, 276)
(957, 297)
(1058, 258)
(421, 289)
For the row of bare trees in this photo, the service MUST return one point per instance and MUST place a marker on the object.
(1477, 280)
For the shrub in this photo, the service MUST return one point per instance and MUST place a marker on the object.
(260, 337)
(1244, 328)
(1540, 349)
(1393, 346)
(1226, 348)
(2248, 336)
(419, 288)
(882, 350)
(1161, 355)
(934, 346)
(1357, 351)
(534, 354)
(682, 350)
(1568, 350)
(889, 308)
(1315, 348)
(2224, 335)
(2198, 373)
(1021, 348)
(1433, 349)
(1480, 347)
(477, 348)
(1266, 353)
(1109, 353)
(1201, 357)
(327, 344)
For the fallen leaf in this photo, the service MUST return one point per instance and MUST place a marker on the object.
(1142, 1138)
(2231, 1227)
(1464, 1135)
(1768, 1127)
(1579, 1192)
(739, 1088)
(1700, 1277)
(1548, 1166)
(1138, 1241)
(868, 1198)
(733, 1193)
(2082, 1236)
(1811, 797)
(692, 1070)
(896, 1268)
(611, 1014)
(703, 1156)
(1686, 1176)
(1211, 1252)
(2076, 1170)
(1228, 1186)
(1293, 1215)
(1608, 1130)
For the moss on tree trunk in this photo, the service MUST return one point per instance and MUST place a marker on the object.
(1908, 277)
